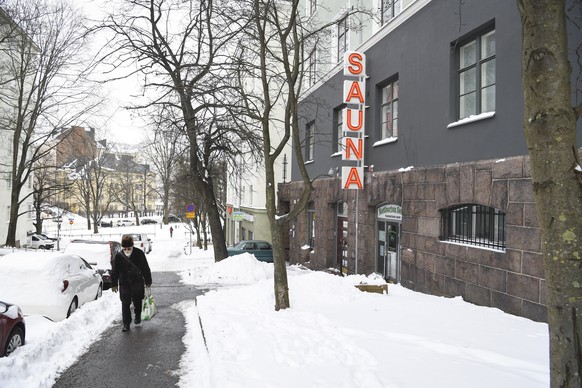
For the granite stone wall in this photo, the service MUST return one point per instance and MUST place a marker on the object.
(512, 281)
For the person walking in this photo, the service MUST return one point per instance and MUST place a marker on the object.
(171, 232)
(131, 271)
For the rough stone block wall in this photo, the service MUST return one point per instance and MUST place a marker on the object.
(512, 281)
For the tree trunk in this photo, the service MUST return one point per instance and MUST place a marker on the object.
(11, 235)
(550, 131)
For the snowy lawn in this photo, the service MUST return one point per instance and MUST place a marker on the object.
(332, 336)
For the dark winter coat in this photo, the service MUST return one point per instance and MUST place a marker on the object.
(124, 274)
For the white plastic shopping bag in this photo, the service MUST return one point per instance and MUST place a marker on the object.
(148, 306)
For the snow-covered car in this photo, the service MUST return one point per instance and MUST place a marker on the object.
(98, 253)
(50, 284)
(141, 241)
(37, 241)
(124, 222)
(12, 329)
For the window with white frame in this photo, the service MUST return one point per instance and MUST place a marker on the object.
(389, 9)
(309, 140)
(389, 110)
(342, 38)
(476, 77)
(311, 7)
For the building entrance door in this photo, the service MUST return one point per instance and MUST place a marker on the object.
(342, 244)
(388, 261)
(388, 223)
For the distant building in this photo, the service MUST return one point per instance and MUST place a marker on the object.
(446, 206)
(128, 184)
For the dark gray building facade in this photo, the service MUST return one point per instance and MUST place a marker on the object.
(447, 206)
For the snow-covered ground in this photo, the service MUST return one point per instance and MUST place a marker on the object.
(332, 336)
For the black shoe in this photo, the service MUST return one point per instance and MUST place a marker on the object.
(137, 320)
(125, 328)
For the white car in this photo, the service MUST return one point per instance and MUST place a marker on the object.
(124, 222)
(141, 241)
(50, 284)
(37, 241)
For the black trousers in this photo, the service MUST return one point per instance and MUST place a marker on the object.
(128, 293)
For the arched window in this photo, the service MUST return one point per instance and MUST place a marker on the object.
(475, 225)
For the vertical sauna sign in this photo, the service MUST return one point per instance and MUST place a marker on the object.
(353, 126)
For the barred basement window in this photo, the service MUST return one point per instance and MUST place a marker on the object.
(473, 224)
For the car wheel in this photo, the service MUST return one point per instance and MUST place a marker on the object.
(15, 340)
(72, 307)
(99, 292)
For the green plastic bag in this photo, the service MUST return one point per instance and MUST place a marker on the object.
(148, 306)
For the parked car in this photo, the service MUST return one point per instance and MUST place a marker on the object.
(39, 242)
(173, 218)
(124, 222)
(51, 284)
(262, 250)
(99, 254)
(141, 241)
(106, 224)
(47, 237)
(147, 221)
(12, 328)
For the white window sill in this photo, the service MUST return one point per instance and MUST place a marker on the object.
(472, 119)
(388, 140)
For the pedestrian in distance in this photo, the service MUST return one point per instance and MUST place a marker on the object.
(171, 232)
(131, 271)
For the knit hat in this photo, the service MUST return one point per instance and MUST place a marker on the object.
(127, 242)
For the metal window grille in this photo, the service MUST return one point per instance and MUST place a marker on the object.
(472, 224)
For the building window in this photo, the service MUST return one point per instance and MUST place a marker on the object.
(477, 75)
(311, 7)
(311, 225)
(472, 224)
(389, 111)
(342, 38)
(390, 8)
(309, 140)
(337, 128)
(312, 68)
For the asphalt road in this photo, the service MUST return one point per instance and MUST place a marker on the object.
(146, 356)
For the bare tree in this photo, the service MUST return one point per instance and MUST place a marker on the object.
(46, 188)
(163, 151)
(42, 89)
(177, 61)
(274, 51)
(128, 186)
(92, 178)
(550, 130)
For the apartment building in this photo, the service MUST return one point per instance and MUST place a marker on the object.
(9, 32)
(446, 205)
